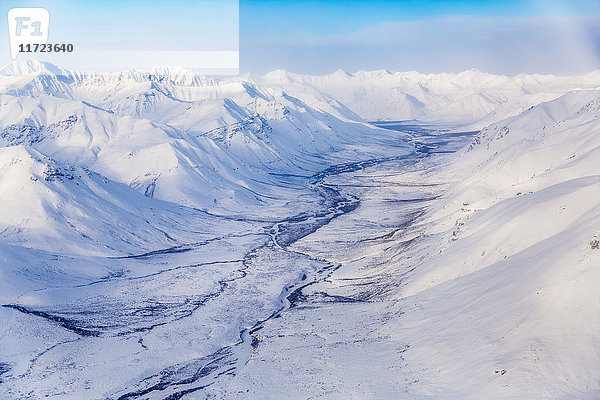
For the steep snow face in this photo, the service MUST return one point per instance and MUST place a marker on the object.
(70, 210)
(505, 304)
(471, 97)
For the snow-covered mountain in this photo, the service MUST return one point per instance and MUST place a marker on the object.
(132, 177)
(470, 97)
(165, 234)
(69, 209)
(505, 303)
(178, 136)
(487, 291)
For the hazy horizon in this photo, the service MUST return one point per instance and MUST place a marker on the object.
(548, 37)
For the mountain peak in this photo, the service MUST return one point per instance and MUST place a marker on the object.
(342, 73)
(32, 67)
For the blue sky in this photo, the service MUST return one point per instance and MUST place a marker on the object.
(308, 36)
(336, 16)
(507, 37)
(180, 24)
(117, 34)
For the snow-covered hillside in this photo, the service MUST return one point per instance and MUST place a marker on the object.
(505, 303)
(179, 136)
(486, 292)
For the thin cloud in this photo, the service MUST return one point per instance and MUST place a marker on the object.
(495, 44)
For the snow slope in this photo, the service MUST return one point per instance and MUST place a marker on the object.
(505, 303)
(71, 210)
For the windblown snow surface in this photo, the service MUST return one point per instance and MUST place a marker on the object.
(166, 235)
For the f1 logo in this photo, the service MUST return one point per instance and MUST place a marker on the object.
(27, 26)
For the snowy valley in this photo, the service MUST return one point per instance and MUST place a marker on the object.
(374, 235)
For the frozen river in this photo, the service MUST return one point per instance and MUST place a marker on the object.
(266, 306)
